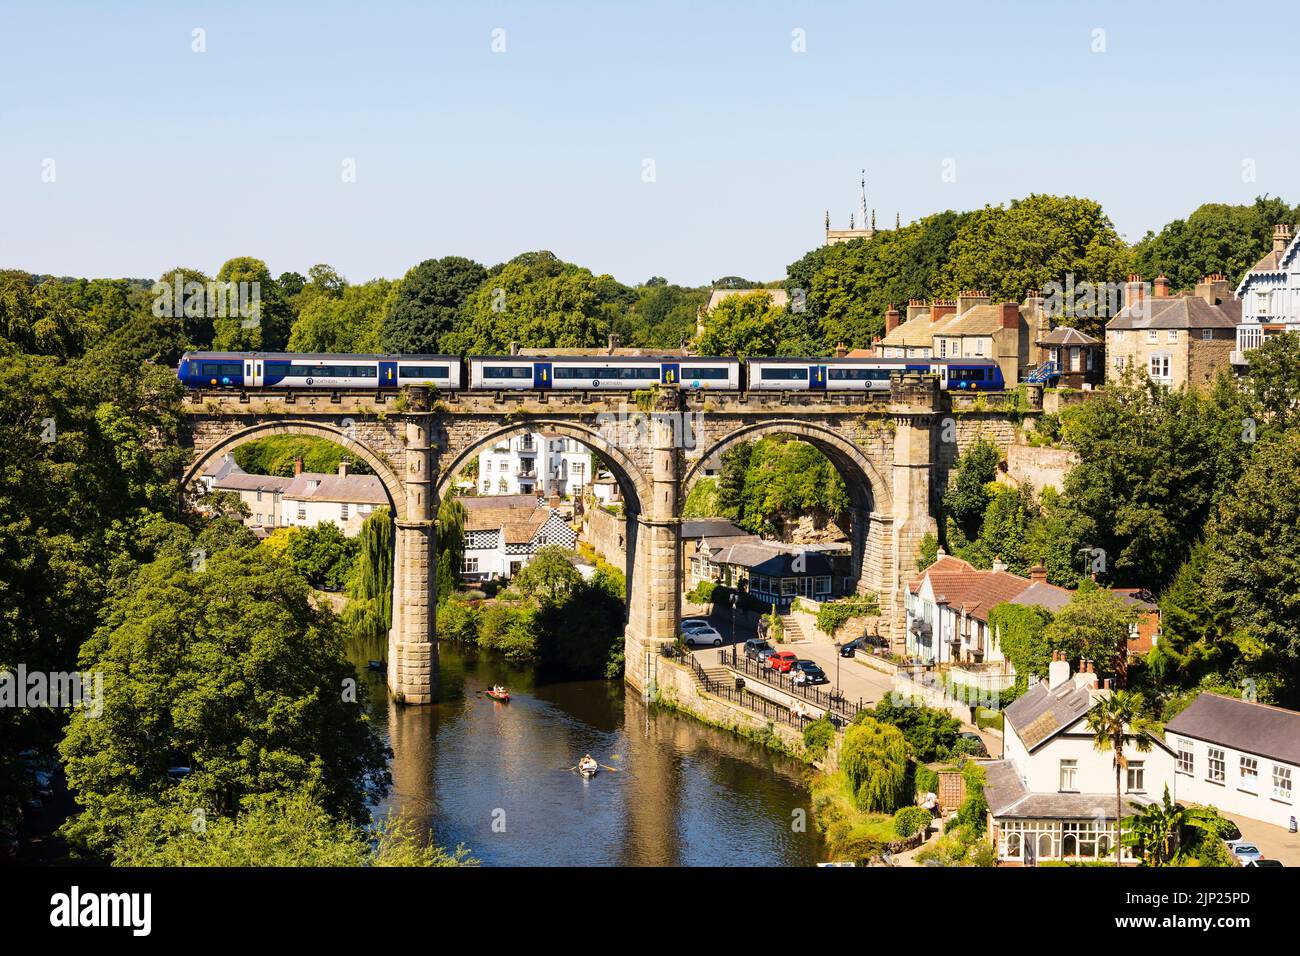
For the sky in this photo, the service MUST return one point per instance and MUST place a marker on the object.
(687, 140)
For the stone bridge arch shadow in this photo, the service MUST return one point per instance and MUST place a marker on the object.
(457, 449)
(871, 499)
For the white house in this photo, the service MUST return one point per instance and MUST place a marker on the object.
(1052, 795)
(1240, 756)
(534, 463)
(1270, 296)
(503, 532)
(312, 498)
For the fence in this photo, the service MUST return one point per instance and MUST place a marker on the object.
(727, 690)
(835, 704)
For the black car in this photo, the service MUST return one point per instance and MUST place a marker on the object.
(808, 672)
(853, 646)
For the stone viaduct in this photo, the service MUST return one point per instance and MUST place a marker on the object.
(893, 450)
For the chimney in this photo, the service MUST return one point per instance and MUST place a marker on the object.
(297, 466)
(1038, 574)
(1087, 675)
(998, 564)
(970, 298)
(1134, 291)
(942, 308)
(1214, 289)
(555, 498)
(343, 467)
(841, 351)
(1010, 315)
(1160, 288)
(891, 318)
(1281, 238)
(1058, 672)
(514, 348)
(613, 342)
(915, 307)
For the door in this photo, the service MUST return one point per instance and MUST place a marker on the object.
(388, 375)
(541, 375)
(257, 375)
(670, 373)
(817, 376)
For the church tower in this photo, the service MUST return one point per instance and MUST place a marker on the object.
(858, 222)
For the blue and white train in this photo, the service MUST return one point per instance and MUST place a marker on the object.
(243, 370)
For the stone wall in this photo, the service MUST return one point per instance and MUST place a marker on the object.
(606, 533)
(1037, 467)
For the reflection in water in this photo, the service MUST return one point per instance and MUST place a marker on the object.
(499, 778)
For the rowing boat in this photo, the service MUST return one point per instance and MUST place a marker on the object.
(588, 768)
(502, 695)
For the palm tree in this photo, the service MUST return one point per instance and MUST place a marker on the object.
(1154, 829)
(1114, 720)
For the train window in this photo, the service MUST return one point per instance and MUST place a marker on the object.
(423, 371)
(787, 373)
(624, 372)
(223, 369)
(965, 374)
(857, 374)
(508, 371)
(715, 373)
(332, 371)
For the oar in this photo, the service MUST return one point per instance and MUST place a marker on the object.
(607, 767)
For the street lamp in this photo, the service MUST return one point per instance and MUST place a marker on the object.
(735, 600)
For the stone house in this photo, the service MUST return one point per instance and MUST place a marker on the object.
(503, 532)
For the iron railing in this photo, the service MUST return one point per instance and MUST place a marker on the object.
(832, 702)
(768, 709)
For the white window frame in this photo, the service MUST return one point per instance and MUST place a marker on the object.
(1281, 783)
(1216, 769)
(1135, 777)
(1248, 771)
(1069, 774)
(1153, 336)
(469, 565)
(1185, 762)
(1171, 335)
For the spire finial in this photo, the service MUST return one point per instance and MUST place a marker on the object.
(898, 220)
(862, 200)
(828, 220)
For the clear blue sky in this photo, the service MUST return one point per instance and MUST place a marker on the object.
(168, 157)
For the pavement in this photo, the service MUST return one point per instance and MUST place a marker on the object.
(1273, 841)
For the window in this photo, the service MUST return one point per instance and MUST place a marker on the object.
(333, 371)
(824, 585)
(343, 511)
(222, 370)
(647, 372)
(1119, 335)
(691, 374)
(788, 586)
(1250, 774)
(487, 484)
(1282, 782)
(469, 565)
(1160, 365)
(1135, 781)
(963, 374)
(302, 512)
(943, 348)
(424, 371)
(1186, 761)
(1069, 776)
(1215, 771)
(259, 494)
(979, 346)
(784, 373)
(1207, 335)
(1172, 336)
(1153, 335)
(507, 371)
(857, 374)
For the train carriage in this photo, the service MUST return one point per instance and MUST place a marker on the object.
(628, 373)
(321, 370)
(868, 374)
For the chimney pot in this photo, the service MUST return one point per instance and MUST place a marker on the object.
(297, 466)
(1038, 574)
(343, 467)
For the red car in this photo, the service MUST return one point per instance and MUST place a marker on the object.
(782, 661)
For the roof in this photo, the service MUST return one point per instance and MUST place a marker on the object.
(1041, 713)
(962, 586)
(1044, 595)
(1252, 727)
(241, 481)
(773, 561)
(221, 467)
(779, 297)
(518, 517)
(624, 352)
(1064, 335)
(1178, 312)
(358, 489)
(915, 333)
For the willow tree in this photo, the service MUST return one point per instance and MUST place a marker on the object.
(369, 611)
(874, 758)
(451, 546)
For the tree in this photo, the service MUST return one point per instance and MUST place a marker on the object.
(967, 496)
(749, 324)
(930, 733)
(1115, 720)
(1154, 830)
(232, 672)
(702, 500)
(1273, 380)
(874, 759)
(451, 547)
(731, 479)
(422, 312)
(369, 611)
(1094, 625)
(322, 554)
(660, 315)
(1020, 630)
(347, 322)
(549, 576)
(267, 329)
(1005, 530)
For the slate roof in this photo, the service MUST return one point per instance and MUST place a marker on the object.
(767, 559)
(354, 489)
(711, 528)
(1064, 335)
(1008, 799)
(241, 481)
(1039, 714)
(780, 297)
(1178, 312)
(1254, 728)
(222, 468)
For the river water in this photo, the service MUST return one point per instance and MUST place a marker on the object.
(498, 779)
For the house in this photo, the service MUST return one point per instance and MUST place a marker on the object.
(1179, 340)
(1269, 295)
(972, 326)
(1052, 795)
(1240, 756)
(703, 539)
(1076, 358)
(605, 489)
(774, 574)
(947, 611)
(312, 498)
(534, 463)
(503, 532)
(261, 494)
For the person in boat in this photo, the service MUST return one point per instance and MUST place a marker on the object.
(587, 763)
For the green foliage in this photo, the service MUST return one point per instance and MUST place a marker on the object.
(1095, 624)
(1273, 381)
(911, 820)
(660, 315)
(457, 620)
(510, 630)
(973, 812)
(232, 672)
(275, 456)
(930, 733)
(874, 759)
(749, 324)
(549, 576)
(1005, 531)
(772, 481)
(817, 737)
(968, 494)
(925, 780)
(929, 551)
(369, 610)
(420, 315)
(1116, 721)
(962, 845)
(702, 501)
(345, 322)
(288, 829)
(451, 547)
(702, 593)
(322, 554)
(835, 614)
(1020, 633)
(1154, 830)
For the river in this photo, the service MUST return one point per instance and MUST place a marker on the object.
(498, 779)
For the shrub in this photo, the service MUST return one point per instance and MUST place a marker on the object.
(926, 780)
(834, 614)
(911, 820)
(702, 593)
(818, 737)
(457, 621)
(874, 758)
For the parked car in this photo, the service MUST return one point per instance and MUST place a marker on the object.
(1245, 852)
(809, 672)
(695, 622)
(756, 649)
(852, 647)
(973, 744)
(782, 661)
(1263, 862)
(702, 636)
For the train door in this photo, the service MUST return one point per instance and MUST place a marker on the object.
(943, 376)
(388, 375)
(253, 373)
(670, 374)
(541, 375)
(817, 376)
